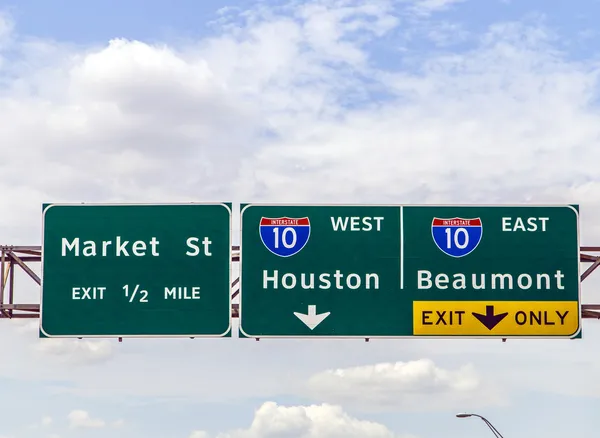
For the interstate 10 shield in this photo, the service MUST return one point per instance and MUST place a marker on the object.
(457, 236)
(284, 236)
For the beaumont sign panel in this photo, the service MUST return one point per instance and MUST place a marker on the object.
(406, 271)
(136, 270)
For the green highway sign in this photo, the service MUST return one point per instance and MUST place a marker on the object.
(136, 270)
(406, 271)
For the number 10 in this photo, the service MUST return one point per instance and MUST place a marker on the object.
(286, 232)
(458, 231)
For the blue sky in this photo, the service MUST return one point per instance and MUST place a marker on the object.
(96, 22)
(413, 101)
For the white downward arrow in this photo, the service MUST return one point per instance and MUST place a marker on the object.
(312, 319)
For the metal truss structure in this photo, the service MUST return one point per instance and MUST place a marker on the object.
(20, 257)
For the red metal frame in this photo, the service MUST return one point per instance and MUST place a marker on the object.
(13, 257)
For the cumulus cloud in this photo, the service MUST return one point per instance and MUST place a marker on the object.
(413, 385)
(287, 106)
(314, 421)
(80, 419)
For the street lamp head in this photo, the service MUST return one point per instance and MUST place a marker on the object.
(462, 415)
(492, 428)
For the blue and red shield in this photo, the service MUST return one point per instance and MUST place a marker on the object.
(284, 236)
(457, 236)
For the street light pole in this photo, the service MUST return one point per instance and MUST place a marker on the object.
(490, 425)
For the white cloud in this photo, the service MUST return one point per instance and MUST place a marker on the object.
(120, 119)
(80, 419)
(26, 326)
(45, 422)
(325, 28)
(426, 7)
(314, 421)
(406, 386)
(76, 351)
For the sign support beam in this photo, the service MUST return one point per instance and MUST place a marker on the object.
(11, 255)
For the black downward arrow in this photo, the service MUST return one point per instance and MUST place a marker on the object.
(490, 320)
